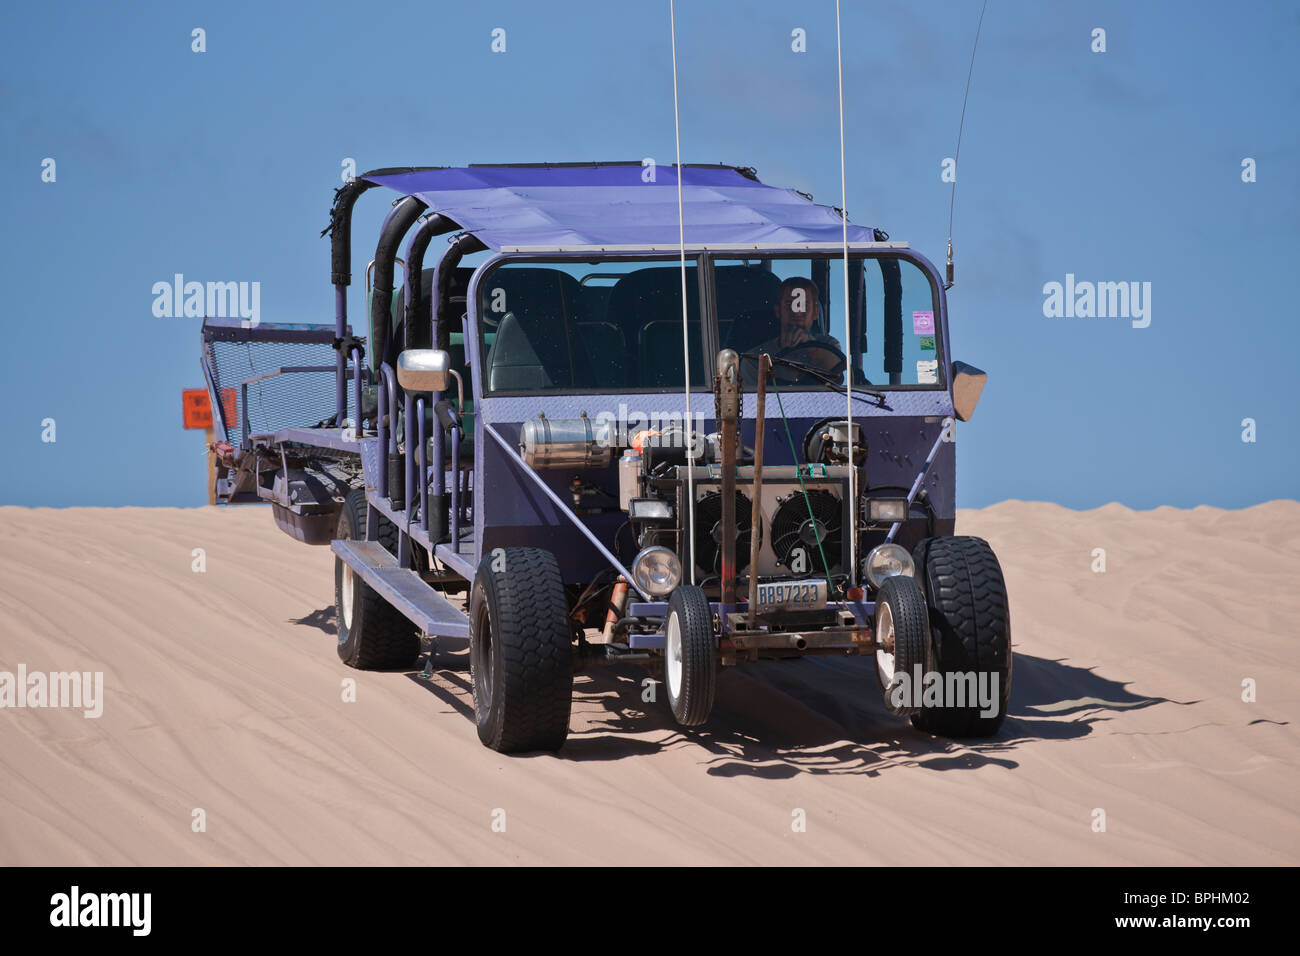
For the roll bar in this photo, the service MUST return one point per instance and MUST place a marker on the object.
(340, 232)
(417, 309)
(403, 214)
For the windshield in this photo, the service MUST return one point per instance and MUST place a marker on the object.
(567, 326)
(616, 325)
(793, 309)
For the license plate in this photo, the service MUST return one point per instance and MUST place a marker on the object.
(807, 595)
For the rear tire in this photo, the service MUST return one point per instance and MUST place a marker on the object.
(690, 656)
(970, 626)
(521, 655)
(373, 635)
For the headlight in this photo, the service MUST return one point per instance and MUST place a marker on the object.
(887, 509)
(650, 509)
(657, 571)
(887, 560)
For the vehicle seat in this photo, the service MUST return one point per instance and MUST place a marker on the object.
(647, 304)
(536, 345)
(746, 296)
(751, 329)
(606, 351)
(660, 348)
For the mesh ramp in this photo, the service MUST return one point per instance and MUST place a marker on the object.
(286, 372)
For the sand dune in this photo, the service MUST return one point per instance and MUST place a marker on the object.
(223, 693)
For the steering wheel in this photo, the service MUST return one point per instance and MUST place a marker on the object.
(791, 352)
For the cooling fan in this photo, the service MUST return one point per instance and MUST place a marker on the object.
(708, 530)
(795, 534)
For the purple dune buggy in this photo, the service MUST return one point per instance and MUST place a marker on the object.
(580, 438)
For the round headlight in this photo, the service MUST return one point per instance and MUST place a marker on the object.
(887, 560)
(657, 571)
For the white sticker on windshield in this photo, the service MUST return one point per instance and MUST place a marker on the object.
(927, 371)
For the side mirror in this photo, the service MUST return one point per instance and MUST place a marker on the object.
(967, 383)
(424, 370)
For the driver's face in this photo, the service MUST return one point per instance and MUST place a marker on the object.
(798, 308)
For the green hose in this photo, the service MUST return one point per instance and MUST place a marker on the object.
(830, 585)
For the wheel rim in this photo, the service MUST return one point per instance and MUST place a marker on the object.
(345, 595)
(885, 635)
(486, 664)
(673, 656)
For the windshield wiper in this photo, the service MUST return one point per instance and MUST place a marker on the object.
(822, 377)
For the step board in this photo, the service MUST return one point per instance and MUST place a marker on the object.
(403, 588)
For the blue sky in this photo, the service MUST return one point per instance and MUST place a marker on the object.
(1115, 166)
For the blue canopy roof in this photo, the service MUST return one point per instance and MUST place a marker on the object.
(611, 205)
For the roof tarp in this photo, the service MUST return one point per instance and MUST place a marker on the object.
(603, 205)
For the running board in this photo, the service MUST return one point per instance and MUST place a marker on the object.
(402, 588)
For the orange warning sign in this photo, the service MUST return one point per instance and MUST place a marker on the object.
(197, 410)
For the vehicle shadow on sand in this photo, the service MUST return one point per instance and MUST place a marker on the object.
(780, 719)
(824, 716)
(322, 619)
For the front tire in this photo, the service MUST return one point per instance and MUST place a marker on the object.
(690, 656)
(373, 635)
(970, 625)
(902, 624)
(521, 656)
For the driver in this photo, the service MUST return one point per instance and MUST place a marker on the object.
(800, 339)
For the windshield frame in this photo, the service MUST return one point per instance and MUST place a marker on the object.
(703, 257)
